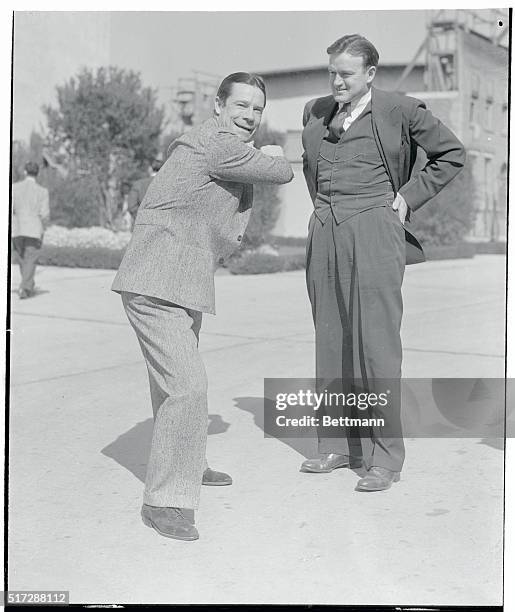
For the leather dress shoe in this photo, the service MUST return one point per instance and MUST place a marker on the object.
(327, 462)
(169, 522)
(378, 479)
(211, 478)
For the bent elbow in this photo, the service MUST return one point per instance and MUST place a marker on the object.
(289, 175)
(286, 174)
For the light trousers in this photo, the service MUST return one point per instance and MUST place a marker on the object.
(168, 337)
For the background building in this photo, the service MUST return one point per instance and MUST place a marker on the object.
(460, 70)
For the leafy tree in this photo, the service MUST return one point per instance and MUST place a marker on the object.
(21, 153)
(448, 217)
(266, 205)
(19, 157)
(104, 130)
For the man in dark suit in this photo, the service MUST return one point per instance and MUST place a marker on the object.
(360, 146)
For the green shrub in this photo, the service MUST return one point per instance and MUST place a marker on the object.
(462, 250)
(266, 203)
(81, 257)
(289, 241)
(74, 201)
(264, 263)
(86, 237)
(448, 217)
(264, 215)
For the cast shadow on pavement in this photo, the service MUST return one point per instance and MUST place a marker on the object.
(37, 292)
(307, 447)
(131, 448)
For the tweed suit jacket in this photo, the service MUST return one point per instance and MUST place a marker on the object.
(29, 208)
(193, 215)
(401, 124)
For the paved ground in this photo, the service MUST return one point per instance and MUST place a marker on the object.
(80, 430)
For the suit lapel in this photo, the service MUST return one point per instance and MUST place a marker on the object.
(315, 130)
(387, 125)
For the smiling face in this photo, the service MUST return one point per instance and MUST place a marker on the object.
(241, 112)
(349, 78)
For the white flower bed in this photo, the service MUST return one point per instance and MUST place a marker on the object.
(92, 237)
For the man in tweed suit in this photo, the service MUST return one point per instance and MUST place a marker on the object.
(360, 146)
(193, 216)
(30, 213)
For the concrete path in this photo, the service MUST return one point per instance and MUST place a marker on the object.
(80, 429)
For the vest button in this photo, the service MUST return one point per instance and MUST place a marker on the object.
(239, 238)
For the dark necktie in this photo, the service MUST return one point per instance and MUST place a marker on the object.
(341, 115)
(336, 125)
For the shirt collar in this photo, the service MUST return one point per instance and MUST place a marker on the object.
(363, 101)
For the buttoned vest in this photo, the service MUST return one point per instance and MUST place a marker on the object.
(351, 175)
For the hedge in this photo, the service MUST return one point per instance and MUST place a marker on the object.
(263, 263)
(244, 262)
(81, 257)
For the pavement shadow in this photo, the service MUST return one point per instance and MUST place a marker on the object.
(34, 294)
(307, 447)
(497, 443)
(131, 448)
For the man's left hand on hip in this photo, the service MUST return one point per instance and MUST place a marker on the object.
(399, 205)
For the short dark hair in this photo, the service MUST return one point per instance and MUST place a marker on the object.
(156, 165)
(247, 78)
(31, 168)
(355, 44)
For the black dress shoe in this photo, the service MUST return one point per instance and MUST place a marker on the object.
(327, 462)
(210, 478)
(378, 479)
(169, 522)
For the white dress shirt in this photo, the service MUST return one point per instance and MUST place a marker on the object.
(360, 107)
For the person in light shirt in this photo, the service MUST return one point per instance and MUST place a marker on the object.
(30, 213)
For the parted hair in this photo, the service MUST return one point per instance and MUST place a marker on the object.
(247, 78)
(355, 44)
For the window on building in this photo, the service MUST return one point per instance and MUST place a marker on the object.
(504, 119)
(472, 111)
(475, 85)
(474, 162)
(474, 97)
(489, 115)
(490, 90)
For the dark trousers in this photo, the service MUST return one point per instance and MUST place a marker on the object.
(354, 275)
(27, 249)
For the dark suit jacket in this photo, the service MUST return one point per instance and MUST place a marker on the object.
(401, 124)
